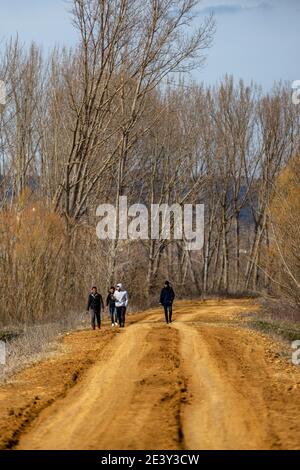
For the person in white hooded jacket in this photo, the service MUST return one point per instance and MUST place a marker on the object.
(121, 297)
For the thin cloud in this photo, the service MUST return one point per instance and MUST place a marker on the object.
(230, 9)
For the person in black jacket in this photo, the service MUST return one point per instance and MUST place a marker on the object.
(167, 296)
(111, 304)
(95, 303)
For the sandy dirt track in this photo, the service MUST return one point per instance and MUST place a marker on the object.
(205, 382)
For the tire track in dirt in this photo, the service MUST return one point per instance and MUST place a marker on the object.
(235, 400)
(128, 401)
(216, 416)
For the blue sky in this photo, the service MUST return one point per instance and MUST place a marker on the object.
(255, 40)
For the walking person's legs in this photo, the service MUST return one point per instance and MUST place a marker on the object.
(98, 318)
(166, 313)
(119, 315)
(123, 316)
(112, 315)
(93, 319)
(170, 313)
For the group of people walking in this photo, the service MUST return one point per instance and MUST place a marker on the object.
(117, 302)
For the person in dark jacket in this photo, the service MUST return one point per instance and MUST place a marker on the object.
(111, 304)
(95, 303)
(167, 296)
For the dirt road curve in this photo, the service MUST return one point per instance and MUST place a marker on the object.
(203, 383)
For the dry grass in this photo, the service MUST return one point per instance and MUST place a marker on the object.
(31, 344)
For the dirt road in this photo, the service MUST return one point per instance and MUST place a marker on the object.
(205, 382)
